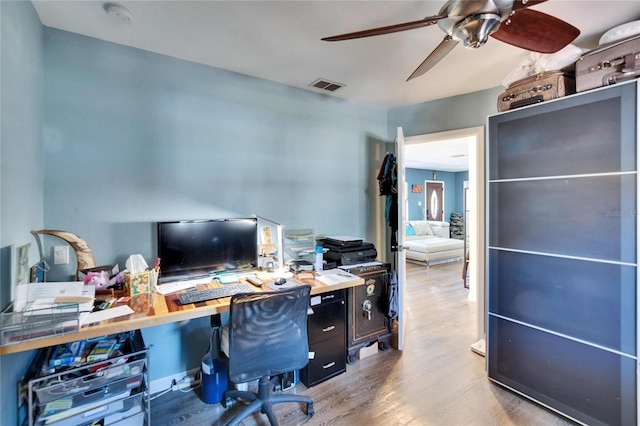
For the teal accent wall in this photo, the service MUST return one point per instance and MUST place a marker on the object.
(21, 163)
(106, 140)
(453, 191)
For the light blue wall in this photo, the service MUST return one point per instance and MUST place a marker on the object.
(21, 162)
(456, 112)
(132, 138)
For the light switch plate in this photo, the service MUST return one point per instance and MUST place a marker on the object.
(61, 255)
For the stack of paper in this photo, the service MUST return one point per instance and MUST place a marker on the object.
(57, 296)
(46, 309)
(335, 276)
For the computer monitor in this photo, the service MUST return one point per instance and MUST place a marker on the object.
(195, 248)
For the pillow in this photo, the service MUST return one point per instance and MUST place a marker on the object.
(409, 231)
(620, 32)
(422, 228)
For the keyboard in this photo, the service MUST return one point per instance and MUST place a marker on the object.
(195, 296)
(172, 287)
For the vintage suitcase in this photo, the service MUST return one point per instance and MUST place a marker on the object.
(609, 64)
(535, 89)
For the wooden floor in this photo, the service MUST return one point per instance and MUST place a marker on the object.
(436, 380)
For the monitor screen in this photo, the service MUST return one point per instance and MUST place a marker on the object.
(189, 249)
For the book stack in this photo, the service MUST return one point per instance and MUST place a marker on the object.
(102, 350)
(67, 354)
(297, 266)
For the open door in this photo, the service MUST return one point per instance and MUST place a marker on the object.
(401, 258)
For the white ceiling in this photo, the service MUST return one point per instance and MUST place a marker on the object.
(451, 155)
(280, 41)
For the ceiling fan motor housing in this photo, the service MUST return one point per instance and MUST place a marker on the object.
(474, 31)
(472, 22)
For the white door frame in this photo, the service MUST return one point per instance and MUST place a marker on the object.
(400, 254)
(476, 223)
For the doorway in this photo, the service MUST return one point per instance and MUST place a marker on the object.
(474, 207)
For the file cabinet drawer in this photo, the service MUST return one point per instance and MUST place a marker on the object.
(327, 321)
(329, 361)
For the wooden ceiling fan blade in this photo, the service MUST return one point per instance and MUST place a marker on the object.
(536, 31)
(388, 29)
(434, 57)
(521, 4)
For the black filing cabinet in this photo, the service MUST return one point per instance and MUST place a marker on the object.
(327, 338)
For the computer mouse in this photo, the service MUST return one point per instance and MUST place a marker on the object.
(280, 281)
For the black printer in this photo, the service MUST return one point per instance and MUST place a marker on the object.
(348, 250)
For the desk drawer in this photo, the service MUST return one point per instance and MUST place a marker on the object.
(65, 385)
(329, 361)
(110, 413)
(88, 399)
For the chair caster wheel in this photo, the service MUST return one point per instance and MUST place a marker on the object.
(383, 346)
(227, 402)
(310, 410)
(351, 358)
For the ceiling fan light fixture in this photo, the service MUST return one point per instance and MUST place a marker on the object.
(475, 30)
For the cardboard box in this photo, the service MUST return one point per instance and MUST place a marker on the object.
(367, 351)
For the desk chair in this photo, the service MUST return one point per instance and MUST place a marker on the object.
(267, 336)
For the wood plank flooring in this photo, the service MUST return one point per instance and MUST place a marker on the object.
(436, 380)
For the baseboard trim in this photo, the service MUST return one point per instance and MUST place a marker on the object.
(479, 347)
(164, 383)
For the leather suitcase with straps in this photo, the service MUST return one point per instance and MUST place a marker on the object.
(609, 64)
(535, 89)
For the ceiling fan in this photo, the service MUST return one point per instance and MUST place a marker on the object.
(473, 21)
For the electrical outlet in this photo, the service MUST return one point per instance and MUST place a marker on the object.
(186, 382)
(192, 380)
(61, 255)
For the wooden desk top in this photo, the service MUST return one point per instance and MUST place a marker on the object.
(155, 309)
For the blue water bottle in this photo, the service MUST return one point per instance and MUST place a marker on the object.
(317, 259)
(215, 376)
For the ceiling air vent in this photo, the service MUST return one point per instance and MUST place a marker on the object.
(324, 84)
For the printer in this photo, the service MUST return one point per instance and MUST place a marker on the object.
(344, 250)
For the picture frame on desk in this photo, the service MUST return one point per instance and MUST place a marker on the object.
(16, 259)
(38, 272)
(22, 264)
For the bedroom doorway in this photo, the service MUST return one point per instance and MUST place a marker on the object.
(473, 139)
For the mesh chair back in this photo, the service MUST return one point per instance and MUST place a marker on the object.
(268, 333)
